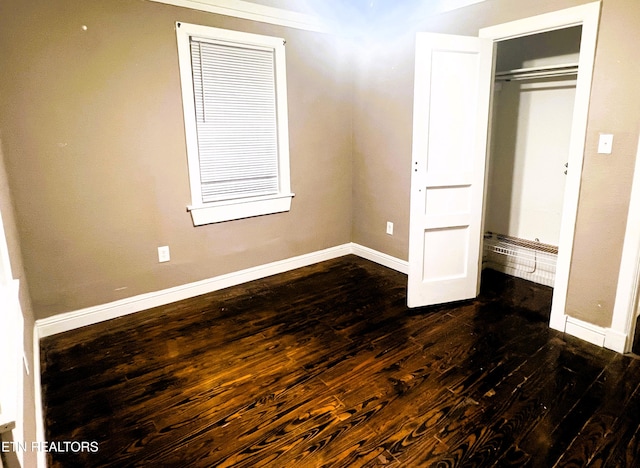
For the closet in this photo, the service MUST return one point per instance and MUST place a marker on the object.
(534, 94)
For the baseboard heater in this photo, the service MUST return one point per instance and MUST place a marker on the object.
(526, 259)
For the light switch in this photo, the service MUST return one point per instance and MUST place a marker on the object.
(605, 143)
(163, 254)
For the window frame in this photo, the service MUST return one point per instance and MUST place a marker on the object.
(247, 206)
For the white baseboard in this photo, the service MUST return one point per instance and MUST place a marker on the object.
(594, 334)
(381, 258)
(615, 341)
(91, 315)
(585, 331)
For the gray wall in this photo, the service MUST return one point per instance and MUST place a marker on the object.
(94, 145)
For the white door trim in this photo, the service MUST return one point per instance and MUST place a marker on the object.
(587, 16)
(11, 346)
(624, 309)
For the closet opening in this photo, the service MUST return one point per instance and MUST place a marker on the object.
(531, 123)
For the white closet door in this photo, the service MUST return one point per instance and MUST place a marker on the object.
(451, 113)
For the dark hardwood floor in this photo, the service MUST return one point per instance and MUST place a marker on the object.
(326, 366)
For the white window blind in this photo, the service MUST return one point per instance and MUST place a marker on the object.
(236, 120)
(234, 95)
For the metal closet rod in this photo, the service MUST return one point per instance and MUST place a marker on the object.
(538, 72)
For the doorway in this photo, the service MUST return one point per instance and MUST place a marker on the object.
(586, 18)
(425, 279)
(533, 100)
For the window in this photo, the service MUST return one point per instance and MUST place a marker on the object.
(235, 112)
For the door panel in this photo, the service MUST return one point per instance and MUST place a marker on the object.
(447, 248)
(443, 201)
(451, 91)
(451, 114)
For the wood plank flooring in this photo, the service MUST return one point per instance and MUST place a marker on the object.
(325, 366)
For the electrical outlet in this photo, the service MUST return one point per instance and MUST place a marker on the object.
(390, 228)
(163, 254)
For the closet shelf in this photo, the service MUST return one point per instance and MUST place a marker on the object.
(538, 72)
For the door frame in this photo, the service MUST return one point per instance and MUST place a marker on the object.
(625, 309)
(587, 16)
(11, 388)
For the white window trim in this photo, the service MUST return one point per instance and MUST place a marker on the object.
(215, 212)
(253, 12)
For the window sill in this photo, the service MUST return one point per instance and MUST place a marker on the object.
(238, 209)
